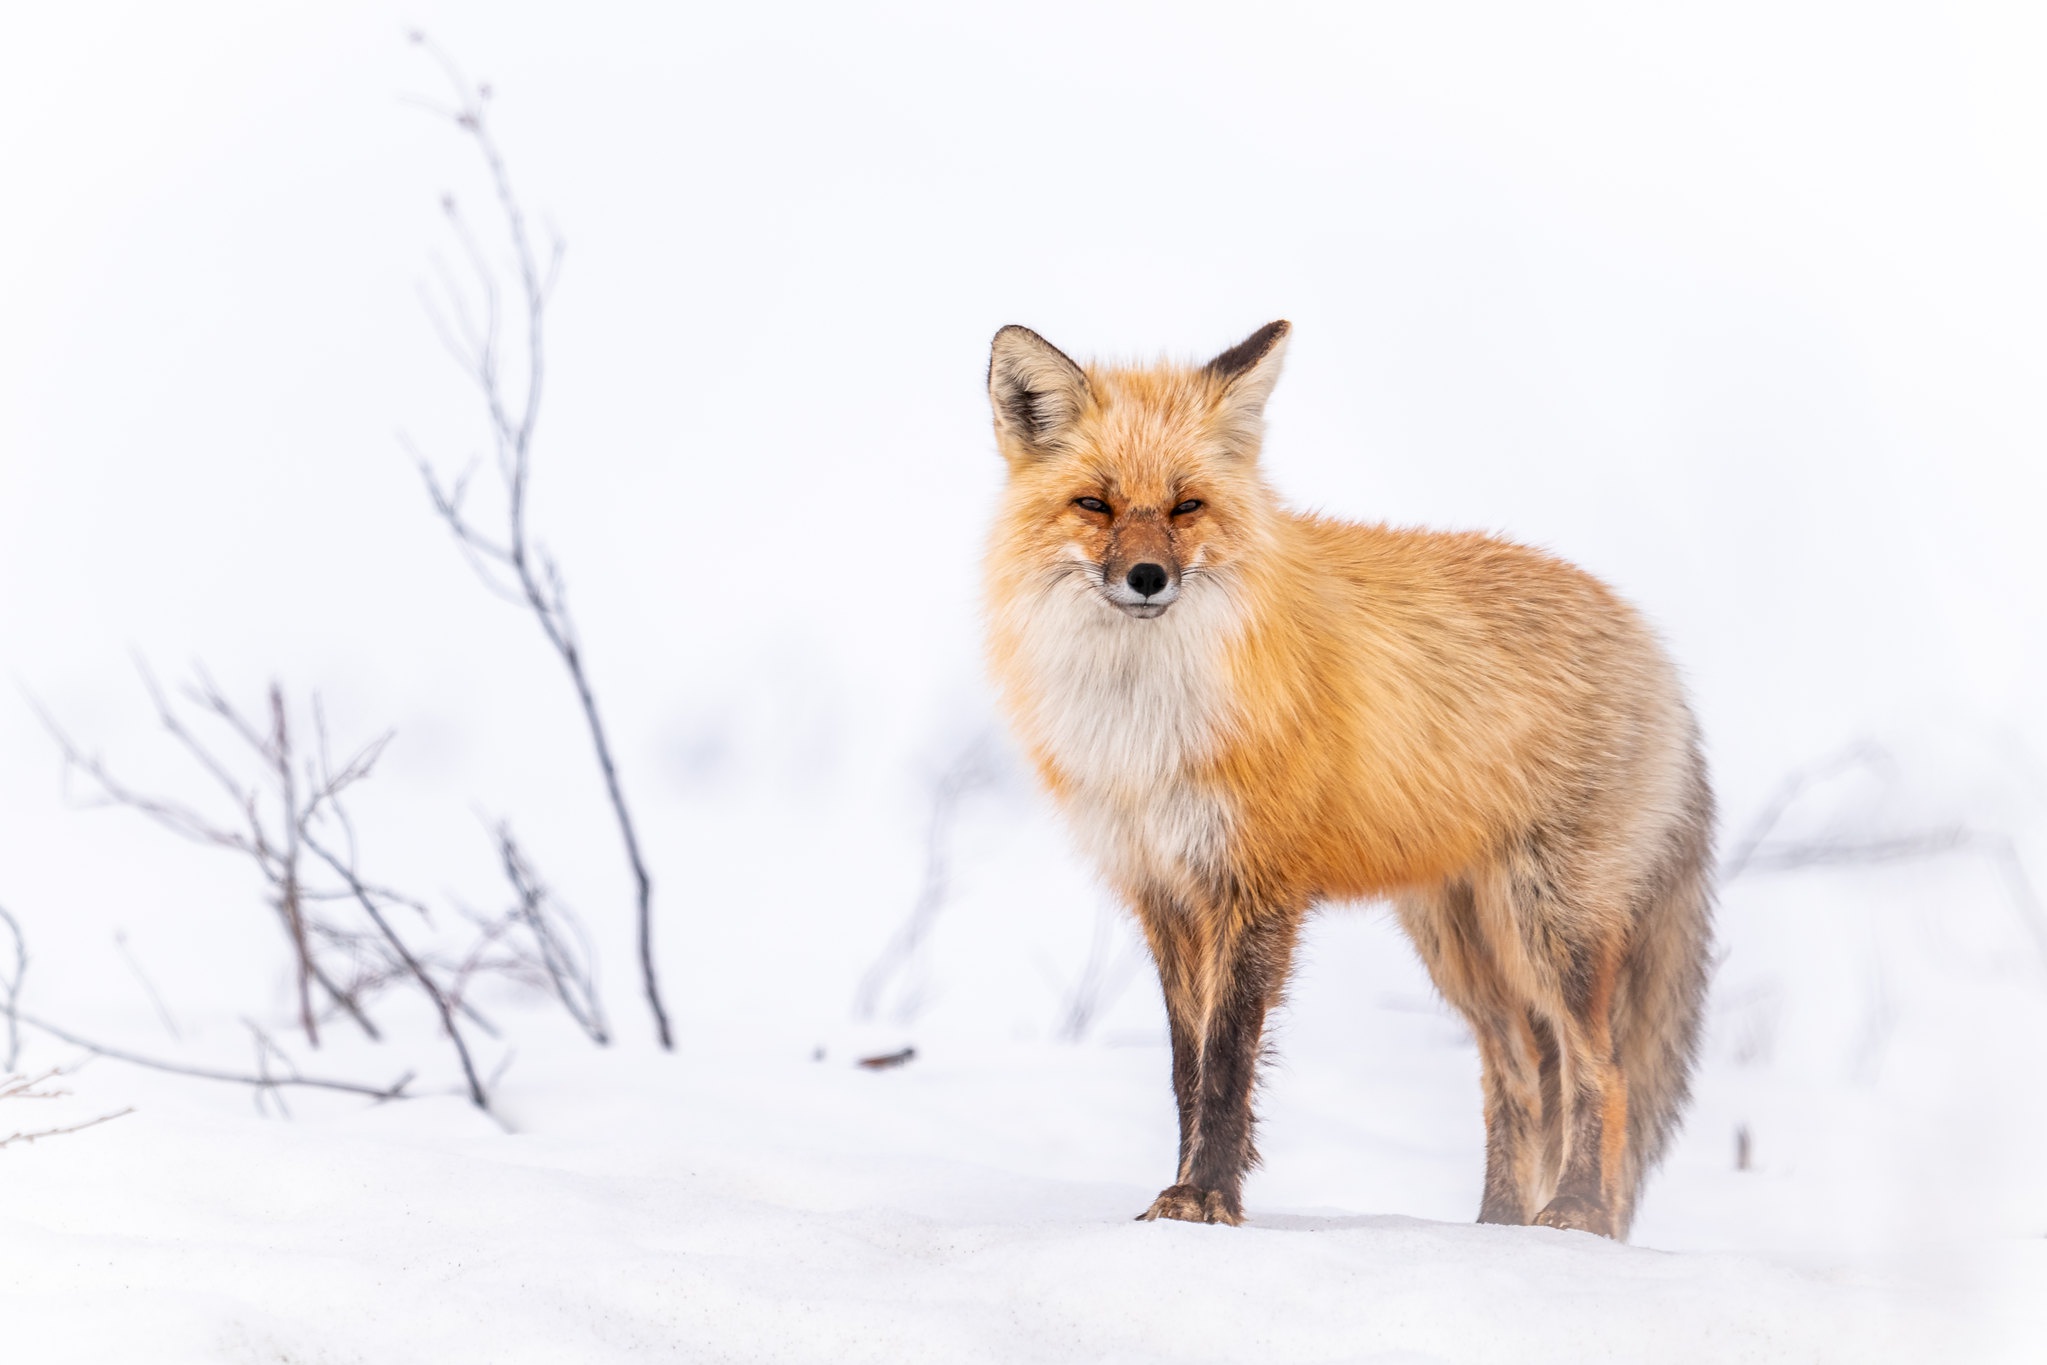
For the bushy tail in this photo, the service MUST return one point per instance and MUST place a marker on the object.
(1663, 984)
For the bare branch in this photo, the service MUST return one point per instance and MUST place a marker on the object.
(18, 1087)
(1795, 785)
(971, 768)
(10, 988)
(38, 1134)
(266, 1048)
(288, 895)
(1102, 979)
(1758, 853)
(481, 552)
(179, 819)
(512, 417)
(394, 1091)
(368, 901)
(567, 971)
(163, 1012)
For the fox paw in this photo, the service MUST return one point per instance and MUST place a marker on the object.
(1576, 1213)
(1192, 1204)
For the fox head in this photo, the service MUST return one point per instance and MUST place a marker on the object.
(1135, 480)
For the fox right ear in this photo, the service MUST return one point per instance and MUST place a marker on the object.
(1034, 389)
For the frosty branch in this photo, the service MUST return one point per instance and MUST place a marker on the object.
(469, 319)
(266, 831)
(14, 1087)
(343, 929)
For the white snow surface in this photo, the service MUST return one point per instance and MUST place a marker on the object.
(778, 1211)
(1739, 307)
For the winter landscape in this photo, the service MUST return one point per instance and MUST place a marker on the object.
(1738, 308)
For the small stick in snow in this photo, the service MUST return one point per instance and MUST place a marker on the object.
(888, 1060)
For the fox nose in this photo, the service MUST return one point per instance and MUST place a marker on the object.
(1146, 579)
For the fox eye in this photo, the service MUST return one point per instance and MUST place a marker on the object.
(1091, 504)
(1191, 505)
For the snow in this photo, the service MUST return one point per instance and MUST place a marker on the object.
(1739, 310)
(763, 1210)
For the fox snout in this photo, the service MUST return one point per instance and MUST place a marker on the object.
(1140, 569)
(1143, 589)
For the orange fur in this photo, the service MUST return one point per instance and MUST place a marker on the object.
(1307, 710)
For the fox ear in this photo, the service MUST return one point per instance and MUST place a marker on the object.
(1247, 371)
(1034, 389)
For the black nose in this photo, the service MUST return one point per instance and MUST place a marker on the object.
(1146, 579)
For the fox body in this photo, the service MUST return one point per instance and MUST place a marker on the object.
(1246, 712)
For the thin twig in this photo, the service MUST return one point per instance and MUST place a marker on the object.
(18, 1087)
(265, 1049)
(31, 1138)
(369, 905)
(512, 421)
(288, 893)
(1794, 785)
(1757, 853)
(573, 983)
(163, 1012)
(10, 988)
(393, 1091)
(971, 768)
(1102, 979)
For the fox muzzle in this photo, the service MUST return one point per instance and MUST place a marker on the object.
(1144, 590)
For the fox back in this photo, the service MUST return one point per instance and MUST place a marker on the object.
(1246, 712)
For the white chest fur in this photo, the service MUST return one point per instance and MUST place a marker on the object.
(1128, 710)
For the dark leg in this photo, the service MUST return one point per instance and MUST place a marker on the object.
(1514, 1170)
(1551, 1071)
(1178, 949)
(1247, 972)
(1450, 927)
(1594, 1111)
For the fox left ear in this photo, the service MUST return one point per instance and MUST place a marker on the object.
(1247, 372)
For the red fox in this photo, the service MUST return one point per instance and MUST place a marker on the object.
(1246, 712)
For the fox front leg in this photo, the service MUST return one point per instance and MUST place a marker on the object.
(1246, 971)
(1181, 951)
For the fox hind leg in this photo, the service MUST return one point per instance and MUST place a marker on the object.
(1517, 1048)
(1518, 1054)
(1572, 929)
(1589, 1196)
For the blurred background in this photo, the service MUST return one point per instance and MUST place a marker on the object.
(1740, 308)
